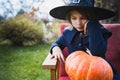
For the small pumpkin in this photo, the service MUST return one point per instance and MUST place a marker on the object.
(81, 66)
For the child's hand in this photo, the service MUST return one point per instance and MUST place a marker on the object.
(57, 54)
(85, 28)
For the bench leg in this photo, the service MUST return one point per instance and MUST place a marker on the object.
(53, 74)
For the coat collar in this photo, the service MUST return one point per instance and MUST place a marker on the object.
(72, 34)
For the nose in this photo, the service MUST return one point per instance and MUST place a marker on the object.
(79, 21)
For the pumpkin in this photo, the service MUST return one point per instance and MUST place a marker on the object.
(81, 66)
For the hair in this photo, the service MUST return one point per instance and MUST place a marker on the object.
(68, 17)
(86, 14)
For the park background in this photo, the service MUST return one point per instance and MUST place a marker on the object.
(26, 33)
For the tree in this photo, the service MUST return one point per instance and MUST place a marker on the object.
(111, 5)
(1, 19)
(8, 7)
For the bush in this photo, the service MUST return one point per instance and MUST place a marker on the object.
(21, 31)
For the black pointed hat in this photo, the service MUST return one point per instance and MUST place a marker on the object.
(84, 6)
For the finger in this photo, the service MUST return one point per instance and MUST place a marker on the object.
(62, 58)
(52, 56)
(58, 57)
(85, 28)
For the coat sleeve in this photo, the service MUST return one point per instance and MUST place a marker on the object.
(61, 42)
(98, 37)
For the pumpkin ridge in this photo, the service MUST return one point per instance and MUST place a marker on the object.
(88, 72)
(82, 69)
(78, 69)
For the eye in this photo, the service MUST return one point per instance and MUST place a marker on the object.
(73, 18)
(83, 18)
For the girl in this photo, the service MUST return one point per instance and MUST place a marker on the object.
(86, 31)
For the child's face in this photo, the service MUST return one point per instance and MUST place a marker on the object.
(78, 20)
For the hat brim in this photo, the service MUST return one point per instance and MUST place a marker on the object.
(94, 13)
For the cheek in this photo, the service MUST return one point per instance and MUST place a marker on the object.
(72, 22)
(84, 22)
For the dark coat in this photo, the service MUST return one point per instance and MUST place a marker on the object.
(95, 41)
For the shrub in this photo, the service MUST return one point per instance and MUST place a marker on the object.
(21, 31)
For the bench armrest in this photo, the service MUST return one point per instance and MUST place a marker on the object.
(52, 65)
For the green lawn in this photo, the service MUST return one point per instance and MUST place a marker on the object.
(23, 63)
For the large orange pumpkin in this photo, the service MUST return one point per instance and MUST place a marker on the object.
(81, 66)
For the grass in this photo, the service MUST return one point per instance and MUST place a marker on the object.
(23, 63)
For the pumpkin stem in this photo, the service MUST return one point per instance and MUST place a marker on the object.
(88, 51)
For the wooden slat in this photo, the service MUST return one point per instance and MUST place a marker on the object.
(53, 74)
(49, 63)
